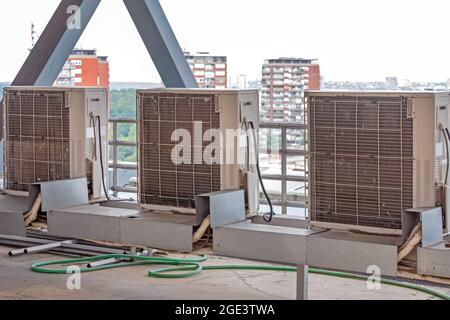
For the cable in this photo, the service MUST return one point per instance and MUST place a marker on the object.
(268, 217)
(99, 125)
(447, 138)
(184, 268)
(105, 189)
(92, 123)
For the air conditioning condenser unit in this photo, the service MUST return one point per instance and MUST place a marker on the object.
(53, 134)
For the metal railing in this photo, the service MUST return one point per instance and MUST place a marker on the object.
(290, 183)
(293, 179)
(114, 164)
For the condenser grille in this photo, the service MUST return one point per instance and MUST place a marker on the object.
(37, 142)
(361, 165)
(161, 181)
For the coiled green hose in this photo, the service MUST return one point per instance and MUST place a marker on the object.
(184, 268)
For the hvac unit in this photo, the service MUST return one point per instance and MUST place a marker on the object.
(374, 155)
(165, 115)
(53, 134)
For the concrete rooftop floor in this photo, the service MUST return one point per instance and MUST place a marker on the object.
(17, 281)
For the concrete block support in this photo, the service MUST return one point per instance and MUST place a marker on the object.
(284, 221)
(12, 223)
(91, 222)
(159, 231)
(12, 209)
(434, 260)
(319, 248)
(262, 242)
(119, 225)
(348, 251)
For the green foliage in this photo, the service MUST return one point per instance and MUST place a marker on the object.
(123, 105)
(127, 154)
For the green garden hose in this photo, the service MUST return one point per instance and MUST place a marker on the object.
(184, 268)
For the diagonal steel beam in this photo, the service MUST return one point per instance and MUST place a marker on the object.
(55, 44)
(161, 43)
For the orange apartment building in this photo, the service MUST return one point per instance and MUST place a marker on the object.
(85, 69)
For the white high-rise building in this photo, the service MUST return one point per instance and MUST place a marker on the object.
(210, 71)
(284, 81)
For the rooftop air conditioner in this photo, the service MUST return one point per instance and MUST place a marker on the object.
(374, 155)
(166, 116)
(53, 134)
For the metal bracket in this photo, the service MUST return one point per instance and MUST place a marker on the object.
(225, 207)
(432, 224)
(60, 194)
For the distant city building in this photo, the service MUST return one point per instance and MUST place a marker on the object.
(347, 85)
(210, 71)
(405, 85)
(84, 69)
(391, 83)
(254, 84)
(241, 82)
(284, 81)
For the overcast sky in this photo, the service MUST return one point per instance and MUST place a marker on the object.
(355, 40)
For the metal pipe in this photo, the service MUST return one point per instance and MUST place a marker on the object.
(147, 253)
(102, 263)
(77, 250)
(17, 252)
(89, 248)
(44, 247)
(71, 247)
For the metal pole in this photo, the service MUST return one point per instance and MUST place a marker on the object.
(68, 247)
(284, 196)
(102, 263)
(45, 247)
(115, 160)
(16, 252)
(302, 282)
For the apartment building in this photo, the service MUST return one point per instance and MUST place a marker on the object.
(84, 69)
(284, 81)
(210, 71)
